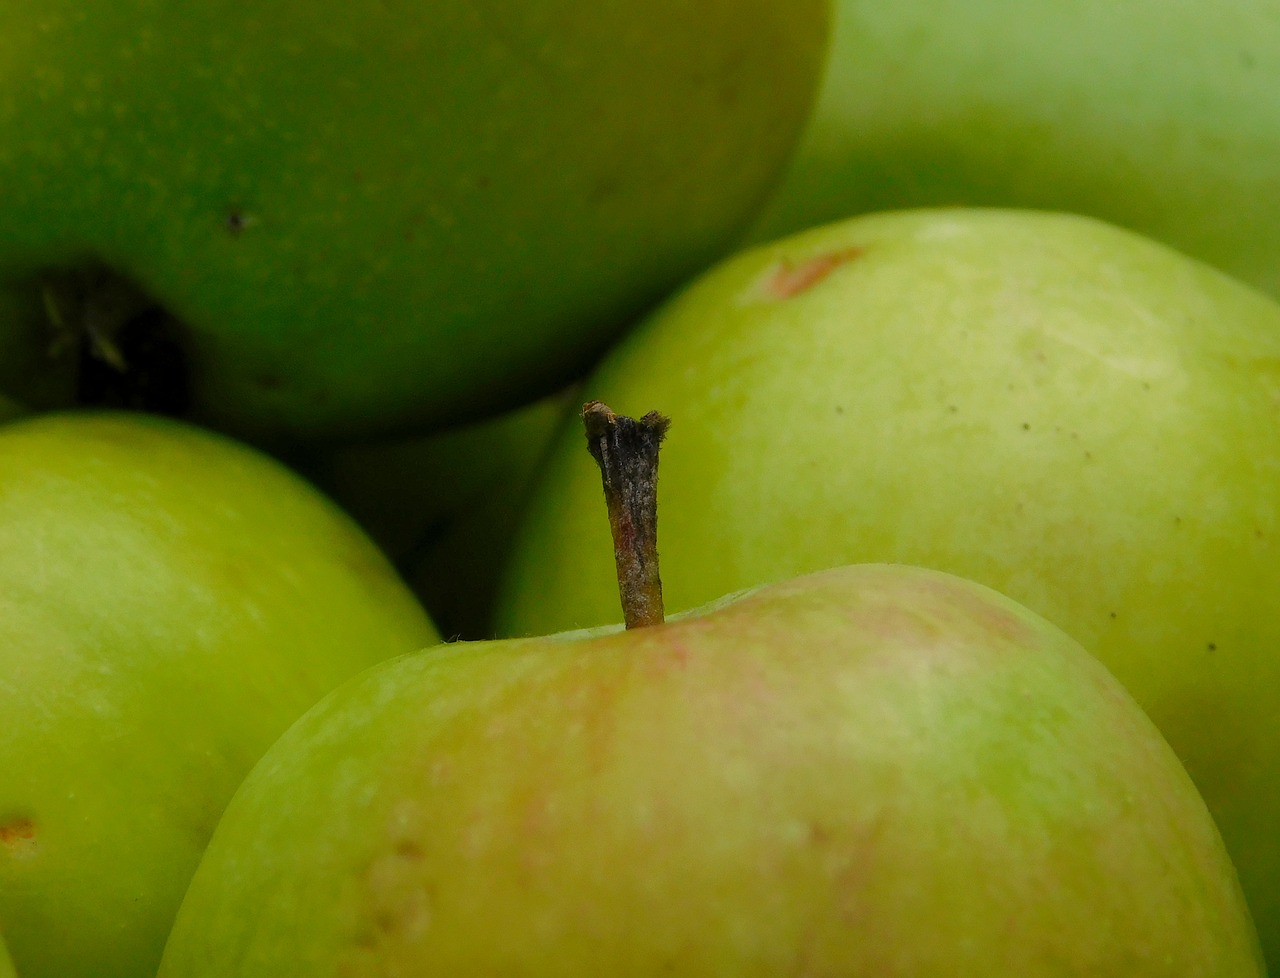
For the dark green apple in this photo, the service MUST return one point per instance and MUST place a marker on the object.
(444, 507)
(169, 603)
(371, 215)
(1071, 414)
(1162, 117)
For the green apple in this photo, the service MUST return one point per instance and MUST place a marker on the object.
(444, 507)
(169, 603)
(10, 409)
(1067, 412)
(362, 216)
(6, 962)
(869, 771)
(1162, 117)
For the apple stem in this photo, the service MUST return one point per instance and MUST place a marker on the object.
(627, 452)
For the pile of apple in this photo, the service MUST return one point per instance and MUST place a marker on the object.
(970, 500)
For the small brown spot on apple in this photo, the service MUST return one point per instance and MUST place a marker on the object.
(18, 836)
(785, 280)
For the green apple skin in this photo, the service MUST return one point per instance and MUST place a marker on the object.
(169, 603)
(6, 962)
(444, 507)
(373, 215)
(868, 771)
(1161, 117)
(1064, 411)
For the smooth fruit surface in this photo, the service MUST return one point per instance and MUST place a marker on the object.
(870, 771)
(169, 603)
(444, 507)
(369, 215)
(1161, 116)
(1064, 411)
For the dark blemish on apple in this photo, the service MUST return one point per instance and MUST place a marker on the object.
(1177, 521)
(235, 221)
(1212, 646)
(18, 836)
(1026, 426)
(952, 409)
(408, 849)
(1113, 616)
(839, 409)
(1257, 534)
(784, 280)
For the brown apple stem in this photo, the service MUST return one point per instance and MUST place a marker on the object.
(627, 452)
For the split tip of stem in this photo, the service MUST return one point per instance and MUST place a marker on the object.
(626, 450)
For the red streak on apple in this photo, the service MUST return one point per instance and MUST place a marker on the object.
(786, 280)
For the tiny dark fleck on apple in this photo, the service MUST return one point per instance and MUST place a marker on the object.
(1026, 426)
(1146, 385)
(1177, 521)
(1257, 534)
(1113, 616)
(952, 409)
(235, 221)
(785, 280)
(1088, 455)
(839, 409)
(1212, 646)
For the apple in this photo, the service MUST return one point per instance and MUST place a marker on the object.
(1073, 415)
(10, 409)
(355, 218)
(1160, 117)
(871, 770)
(6, 963)
(170, 602)
(444, 506)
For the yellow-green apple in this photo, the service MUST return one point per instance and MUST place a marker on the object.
(6, 962)
(444, 506)
(867, 771)
(1162, 117)
(169, 603)
(367, 215)
(1078, 417)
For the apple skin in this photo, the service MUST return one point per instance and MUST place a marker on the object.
(169, 603)
(445, 506)
(1061, 410)
(370, 216)
(6, 962)
(1156, 116)
(873, 770)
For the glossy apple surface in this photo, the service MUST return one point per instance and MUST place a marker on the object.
(369, 215)
(1162, 117)
(869, 771)
(1073, 415)
(169, 603)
